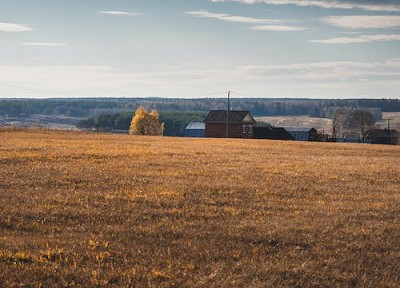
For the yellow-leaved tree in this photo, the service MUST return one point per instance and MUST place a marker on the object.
(146, 123)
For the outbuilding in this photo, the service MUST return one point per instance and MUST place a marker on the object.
(382, 136)
(272, 133)
(195, 129)
(303, 134)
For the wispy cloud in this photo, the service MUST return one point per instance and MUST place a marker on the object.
(363, 21)
(279, 28)
(44, 44)
(359, 39)
(230, 18)
(327, 4)
(326, 71)
(264, 24)
(11, 27)
(119, 13)
(333, 65)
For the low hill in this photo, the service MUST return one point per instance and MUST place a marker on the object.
(321, 124)
(86, 210)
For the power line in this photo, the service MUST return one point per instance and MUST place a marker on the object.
(13, 86)
(6, 84)
(234, 92)
(203, 95)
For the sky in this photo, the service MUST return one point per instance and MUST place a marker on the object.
(200, 48)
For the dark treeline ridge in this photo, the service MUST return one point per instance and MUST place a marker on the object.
(174, 122)
(90, 107)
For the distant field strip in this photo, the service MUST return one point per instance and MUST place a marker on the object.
(394, 120)
(321, 124)
(325, 124)
(102, 210)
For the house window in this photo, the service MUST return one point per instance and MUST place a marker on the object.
(247, 128)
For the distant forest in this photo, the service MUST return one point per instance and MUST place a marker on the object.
(90, 107)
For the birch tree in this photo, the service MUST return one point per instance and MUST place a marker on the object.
(146, 123)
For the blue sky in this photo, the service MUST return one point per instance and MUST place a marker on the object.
(200, 48)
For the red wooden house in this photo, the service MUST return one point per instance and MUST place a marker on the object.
(231, 124)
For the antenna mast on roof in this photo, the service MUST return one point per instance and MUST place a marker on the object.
(227, 115)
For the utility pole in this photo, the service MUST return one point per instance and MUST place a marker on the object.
(334, 129)
(362, 128)
(227, 115)
(388, 124)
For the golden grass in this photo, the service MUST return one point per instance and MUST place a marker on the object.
(87, 210)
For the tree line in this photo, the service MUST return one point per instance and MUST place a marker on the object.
(174, 122)
(90, 107)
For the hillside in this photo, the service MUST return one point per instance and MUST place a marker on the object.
(321, 124)
(325, 124)
(87, 210)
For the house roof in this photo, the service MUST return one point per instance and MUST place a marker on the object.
(219, 116)
(196, 126)
(381, 133)
(299, 129)
(273, 133)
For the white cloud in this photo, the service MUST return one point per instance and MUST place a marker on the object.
(230, 18)
(328, 4)
(44, 44)
(364, 21)
(280, 28)
(119, 13)
(11, 27)
(327, 73)
(313, 66)
(359, 39)
(264, 24)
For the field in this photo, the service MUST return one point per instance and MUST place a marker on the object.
(394, 118)
(325, 124)
(321, 124)
(89, 210)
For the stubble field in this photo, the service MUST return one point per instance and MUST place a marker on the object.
(90, 210)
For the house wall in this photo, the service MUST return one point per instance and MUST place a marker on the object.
(235, 130)
(380, 136)
(304, 135)
(385, 140)
(300, 135)
(194, 133)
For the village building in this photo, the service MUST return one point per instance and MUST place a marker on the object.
(382, 136)
(303, 134)
(272, 133)
(231, 124)
(195, 129)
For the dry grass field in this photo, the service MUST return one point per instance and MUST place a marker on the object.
(97, 210)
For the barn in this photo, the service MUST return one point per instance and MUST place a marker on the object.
(272, 133)
(302, 134)
(195, 129)
(231, 124)
(382, 136)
